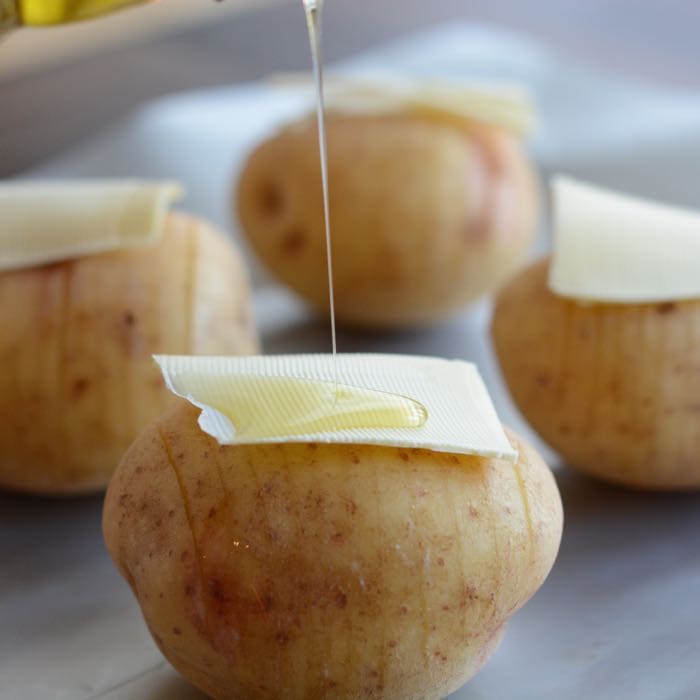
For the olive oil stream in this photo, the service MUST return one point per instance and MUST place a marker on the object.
(313, 9)
(273, 406)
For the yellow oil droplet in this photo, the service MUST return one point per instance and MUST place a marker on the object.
(268, 407)
(41, 12)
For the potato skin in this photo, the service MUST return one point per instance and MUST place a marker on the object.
(613, 387)
(78, 382)
(326, 571)
(425, 215)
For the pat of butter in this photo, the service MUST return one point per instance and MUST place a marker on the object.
(395, 400)
(45, 222)
(506, 106)
(610, 247)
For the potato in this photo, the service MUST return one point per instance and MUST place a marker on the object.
(326, 570)
(425, 215)
(78, 382)
(613, 387)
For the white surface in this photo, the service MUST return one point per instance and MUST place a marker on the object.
(618, 617)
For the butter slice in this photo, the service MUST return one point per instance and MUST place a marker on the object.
(508, 106)
(452, 411)
(45, 222)
(611, 247)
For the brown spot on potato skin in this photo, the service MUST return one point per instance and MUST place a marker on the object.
(79, 387)
(667, 307)
(350, 506)
(129, 319)
(468, 595)
(293, 242)
(271, 199)
(543, 378)
(217, 590)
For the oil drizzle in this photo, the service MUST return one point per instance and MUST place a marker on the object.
(313, 9)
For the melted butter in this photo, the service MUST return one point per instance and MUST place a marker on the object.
(47, 12)
(284, 406)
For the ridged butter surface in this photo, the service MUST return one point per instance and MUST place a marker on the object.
(397, 400)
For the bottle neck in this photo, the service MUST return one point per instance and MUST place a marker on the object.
(46, 13)
(9, 15)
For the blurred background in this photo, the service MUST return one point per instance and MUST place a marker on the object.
(60, 86)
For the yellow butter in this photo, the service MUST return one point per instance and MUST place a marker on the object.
(506, 106)
(612, 247)
(45, 222)
(394, 400)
